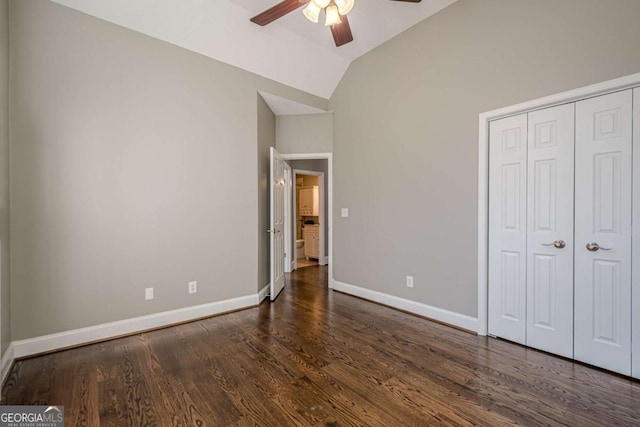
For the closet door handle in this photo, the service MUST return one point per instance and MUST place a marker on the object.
(557, 244)
(593, 246)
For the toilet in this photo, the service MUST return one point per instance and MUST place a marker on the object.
(299, 248)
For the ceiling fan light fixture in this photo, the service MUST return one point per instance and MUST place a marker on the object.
(344, 6)
(335, 12)
(333, 16)
(321, 3)
(312, 12)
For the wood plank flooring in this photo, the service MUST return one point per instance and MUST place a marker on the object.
(319, 358)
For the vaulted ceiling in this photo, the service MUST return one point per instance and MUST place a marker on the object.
(291, 50)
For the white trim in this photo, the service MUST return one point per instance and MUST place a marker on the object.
(325, 260)
(483, 225)
(307, 156)
(635, 241)
(289, 249)
(573, 95)
(441, 315)
(263, 293)
(483, 172)
(330, 208)
(46, 343)
(6, 363)
(329, 157)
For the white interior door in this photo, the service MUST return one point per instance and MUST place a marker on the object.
(277, 223)
(635, 291)
(550, 229)
(507, 228)
(603, 231)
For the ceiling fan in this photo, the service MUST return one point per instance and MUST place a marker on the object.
(335, 10)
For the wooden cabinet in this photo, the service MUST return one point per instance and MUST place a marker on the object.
(308, 201)
(311, 236)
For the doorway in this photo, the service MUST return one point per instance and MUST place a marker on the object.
(320, 165)
(604, 322)
(309, 226)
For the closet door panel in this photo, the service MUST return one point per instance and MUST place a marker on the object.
(507, 228)
(635, 291)
(603, 231)
(550, 219)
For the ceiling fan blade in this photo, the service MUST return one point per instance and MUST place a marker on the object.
(277, 11)
(342, 32)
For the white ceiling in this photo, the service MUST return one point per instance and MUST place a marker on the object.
(291, 50)
(286, 107)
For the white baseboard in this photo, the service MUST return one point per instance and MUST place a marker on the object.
(42, 344)
(445, 316)
(6, 362)
(263, 293)
(325, 260)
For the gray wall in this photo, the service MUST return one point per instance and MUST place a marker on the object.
(5, 286)
(266, 139)
(316, 165)
(133, 164)
(304, 133)
(406, 131)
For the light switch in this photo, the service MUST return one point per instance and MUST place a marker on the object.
(345, 212)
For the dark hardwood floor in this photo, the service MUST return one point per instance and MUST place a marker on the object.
(319, 358)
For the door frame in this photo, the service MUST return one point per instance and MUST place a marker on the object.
(329, 189)
(614, 85)
(288, 173)
(321, 216)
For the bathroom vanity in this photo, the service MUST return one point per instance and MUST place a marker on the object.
(311, 236)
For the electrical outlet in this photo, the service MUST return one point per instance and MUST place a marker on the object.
(148, 293)
(409, 281)
(193, 287)
(344, 212)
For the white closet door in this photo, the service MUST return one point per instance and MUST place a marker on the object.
(507, 228)
(550, 230)
(603, 232)
(635, 291)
